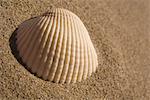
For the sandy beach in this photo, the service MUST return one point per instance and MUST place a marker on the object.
(120, 32)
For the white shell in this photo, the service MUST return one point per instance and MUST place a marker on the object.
(56, 46)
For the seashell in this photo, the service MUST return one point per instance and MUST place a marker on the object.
(56, 46)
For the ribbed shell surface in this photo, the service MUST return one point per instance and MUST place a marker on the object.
(56, 46)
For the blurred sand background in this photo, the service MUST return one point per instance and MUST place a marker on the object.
(120, 32)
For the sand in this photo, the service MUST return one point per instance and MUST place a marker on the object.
(119, 30)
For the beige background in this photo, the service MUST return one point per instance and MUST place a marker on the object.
(119, 30)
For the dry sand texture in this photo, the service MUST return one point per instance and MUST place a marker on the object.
(119, 30)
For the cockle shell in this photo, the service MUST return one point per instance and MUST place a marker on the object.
(56, 46)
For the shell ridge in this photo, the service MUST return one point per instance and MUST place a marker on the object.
(29, 37)
(63, 52)
(85, 69)
(45, 48)
(89, 62)
(37, 46)
(25, 46)
(48, 60)
(27, 33)
(80, 52)
(92, 46)
(40, 49)
(96, 63)
(85, 66)
(77, 62)
(57, 49)
(92, 60)
(43, 28)
(60, 50)
(92, 50)
(80, 72)
(89, 52)
(24, 29)
(33, 43)
(67, 58)
(51, 53)
(20, 40)
(89, 68)
(73, 53)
